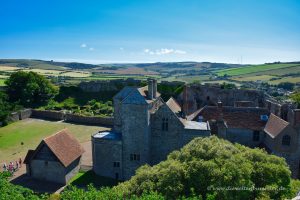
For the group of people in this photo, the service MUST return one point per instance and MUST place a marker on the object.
(12, 166)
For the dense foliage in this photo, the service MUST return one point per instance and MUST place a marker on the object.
(214, 169)
(206, 168)
(10, 191)
(29, 89)
(296, 98)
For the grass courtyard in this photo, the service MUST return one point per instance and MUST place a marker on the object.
(31, 131)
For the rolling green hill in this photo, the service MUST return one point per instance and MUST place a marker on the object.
(255, 69)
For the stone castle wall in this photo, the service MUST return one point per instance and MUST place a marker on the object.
(107, 121)
(48, 114)
(108, 85)
(197, 96)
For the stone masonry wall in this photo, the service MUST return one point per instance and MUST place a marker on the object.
(105, 153)
(47, 114)
(24, 114)
(135, 136)
(198, 96)
(107, 121)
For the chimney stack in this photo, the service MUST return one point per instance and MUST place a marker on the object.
(150, 89)
(154, 81)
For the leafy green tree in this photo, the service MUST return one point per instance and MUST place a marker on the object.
(213, 168)
(296, 98)
(286, 85)
(29, 89)
(5, 107)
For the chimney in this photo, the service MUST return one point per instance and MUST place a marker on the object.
(150, 88)
(185, 101)
(154, 88)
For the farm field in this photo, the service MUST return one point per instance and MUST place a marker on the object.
(285, 79)
(31, 132)
(253, 78)
(253, 69)
(188, 79)
(278, 72)
(221, 82)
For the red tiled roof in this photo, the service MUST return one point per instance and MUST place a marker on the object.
(235, 117)
(173, 105)
(275, 125)
(64, 146)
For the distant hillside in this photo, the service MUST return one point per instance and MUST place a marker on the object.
(41, 64)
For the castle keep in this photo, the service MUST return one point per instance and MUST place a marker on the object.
(146, 129)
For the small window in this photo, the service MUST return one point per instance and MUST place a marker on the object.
(255, 136)
(207, 98)
(135, 157)
(165, 124)
(46, 163)
(116, 164)
(286, 140)
(117, 176)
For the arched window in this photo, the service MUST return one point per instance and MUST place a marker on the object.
(286, 140)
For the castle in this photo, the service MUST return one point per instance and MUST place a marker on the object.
(146, 129)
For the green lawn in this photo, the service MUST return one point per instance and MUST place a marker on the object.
(253, 69)
(82, 179)
(31, 132)
(2, 82)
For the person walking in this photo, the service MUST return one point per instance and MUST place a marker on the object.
(4, 167)
(17, 166)
(20, 162)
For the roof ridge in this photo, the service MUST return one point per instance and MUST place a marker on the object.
(60, 131)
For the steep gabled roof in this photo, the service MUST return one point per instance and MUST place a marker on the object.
(173, 105)
(124, 93)
(275, 126)
(28, 156)
(63, 145)
(134, 97)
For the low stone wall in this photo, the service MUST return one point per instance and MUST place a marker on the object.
(48, 114)
(24, 114)
(13, 117)
(107, 121)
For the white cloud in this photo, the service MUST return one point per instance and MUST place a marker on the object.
(83, 45)
(91, 49)
(121, 49)
(180, 52)
(164, 51)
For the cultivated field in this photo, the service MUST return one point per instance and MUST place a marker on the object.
(254, 69)
(31, 132)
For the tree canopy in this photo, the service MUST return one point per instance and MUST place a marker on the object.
(29, 89)
(206, 168)
(213, 168)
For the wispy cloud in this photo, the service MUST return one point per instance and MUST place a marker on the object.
(121, 49)
(91, 49)
(163, 51)
(83, 45)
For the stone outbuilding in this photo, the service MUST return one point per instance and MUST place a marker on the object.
(56, 158)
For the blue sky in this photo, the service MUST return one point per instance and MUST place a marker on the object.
(107, 31)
